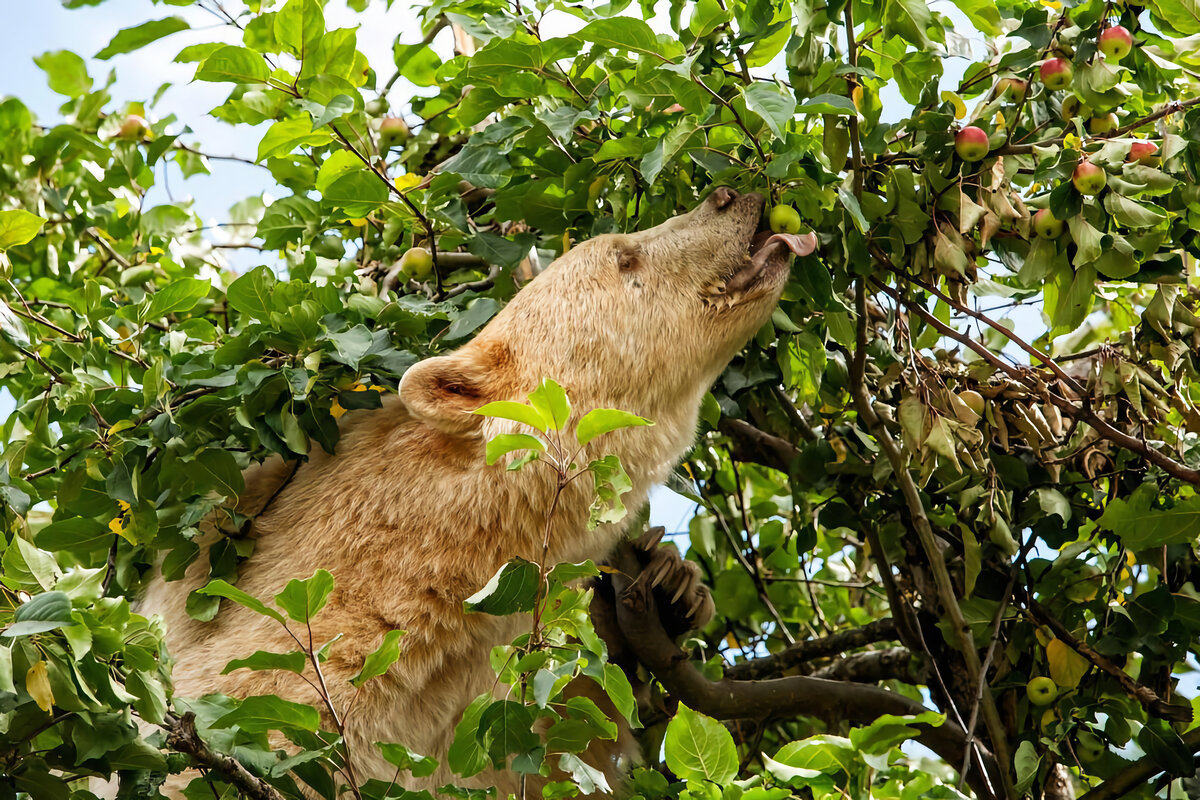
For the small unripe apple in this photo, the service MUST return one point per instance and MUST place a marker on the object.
(1115, 42)
(1056, 73)
(1073, 107)
(971, 143)
(1089, 746)
(1041, 691)
(1143, 153)
(1046, 226)
(1105, 123)
(417, 263)
(972, 399)
(784, 219)
(1088, 178)
(133, 128)
(393, 132)
(1014, 88)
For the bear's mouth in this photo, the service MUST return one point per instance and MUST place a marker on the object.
(766, 259)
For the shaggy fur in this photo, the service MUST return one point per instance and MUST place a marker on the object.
(411, 521)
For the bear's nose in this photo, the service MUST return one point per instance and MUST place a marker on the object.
(723, 196)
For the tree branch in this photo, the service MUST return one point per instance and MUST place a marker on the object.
(873, 666)
(801, 652)
(830, 701)
(183, 738)
(757, 446)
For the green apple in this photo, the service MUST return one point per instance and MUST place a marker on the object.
(417, 264)
(1041, 691)
(973, 400)
(1115, 42)
(1088, 178)
(1104, 123)
(1089, 747)
(784, 219)
(393, 132)
(1073, 107)
(971, 143)
(1056, 73)
(1046, 225)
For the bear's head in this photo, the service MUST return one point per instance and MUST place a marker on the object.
(644, 321)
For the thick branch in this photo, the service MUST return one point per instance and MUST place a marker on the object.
(776, 664)
(183, 738)
(830, 701)
(757, 446)
(873, 666)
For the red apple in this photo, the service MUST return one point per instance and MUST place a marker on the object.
(971, 143)
(1143, 153)
(1105, 123)
(1115, 42)
(133, 127)
(1046, 225)
(1056, 73)
(1088, 178)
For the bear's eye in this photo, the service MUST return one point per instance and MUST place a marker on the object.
(629, 259)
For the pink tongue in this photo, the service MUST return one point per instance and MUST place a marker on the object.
(800, 245)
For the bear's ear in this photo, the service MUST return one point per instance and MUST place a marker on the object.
(443, 391)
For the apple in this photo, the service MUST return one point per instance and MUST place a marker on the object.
(1015, 88)
(784, 219)
(1105, 123)
(417, 263)
(1083, 584)
(971, 143)
(1143, 153)
(1073, 107)
(972, 399)
(1041, 691)
(1089, 746)
(1056, 73)
(393, 132)
(1046, 226)
(1088, 178)
(1115, 42)
(133, 127)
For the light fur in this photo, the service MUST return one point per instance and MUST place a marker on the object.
(411, 521)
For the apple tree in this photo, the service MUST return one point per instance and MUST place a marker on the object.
(946, 499)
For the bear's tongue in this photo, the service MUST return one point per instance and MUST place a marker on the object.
(763, 246)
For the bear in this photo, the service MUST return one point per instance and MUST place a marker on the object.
(411, 521)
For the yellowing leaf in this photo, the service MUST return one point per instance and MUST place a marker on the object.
(1071, 142)
(960, 108)
(336, 410)
(37, 683)
(1067, 667)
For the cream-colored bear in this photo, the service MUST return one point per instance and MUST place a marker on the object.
(411, 521)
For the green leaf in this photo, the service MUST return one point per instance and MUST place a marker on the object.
(1181, 16)
(551, 403)
(626, 33)
(699, 747)
(890, 730)
(468, 753)
(233, 64)
(378, 661)
(707, 15)
(151, 702)
(270, 713)
(299, 26)
(251, 293)
(1141, 525)
(218, 469)
(220, 588)
(288, 134)
(65, 71)
(503, 444)
(1026, 762)
(983, 15)
(828, 104)
(43, 612)
(603, 420)
(303, 599)
(129, 39)
(177, 297)
(511, 590)
(517, 412)
(18, 227)
(1164, 746)
(402, 758)
(263, 660)
(774, 104)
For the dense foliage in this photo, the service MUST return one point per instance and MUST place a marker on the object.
(910, 478)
